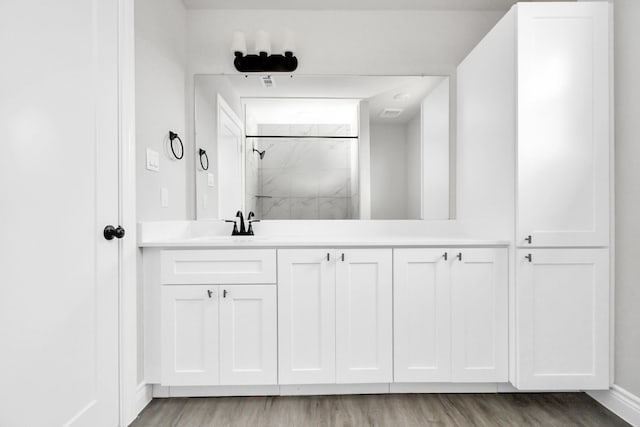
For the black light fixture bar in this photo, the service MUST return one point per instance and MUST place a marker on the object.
(262, 62)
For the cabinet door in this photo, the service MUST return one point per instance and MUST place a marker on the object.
(306, 316)
(248, 335)
(189, 335)
(563, 124)
(421, 312)
(479, 287)
(563, 319)
(364, 316)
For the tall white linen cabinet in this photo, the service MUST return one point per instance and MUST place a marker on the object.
(534, 162)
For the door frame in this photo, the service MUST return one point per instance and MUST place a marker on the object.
(134, 395)
(223, 107)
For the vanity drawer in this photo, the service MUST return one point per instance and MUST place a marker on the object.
(217, 266)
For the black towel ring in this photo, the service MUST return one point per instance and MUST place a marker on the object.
(172, 137)
(205, 157)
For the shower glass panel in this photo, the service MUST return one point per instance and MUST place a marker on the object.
(304, 176)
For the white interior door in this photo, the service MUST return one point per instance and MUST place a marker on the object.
(479, 315)
(422, 315)
(306, 316)
(248, 335)
(230, 162)
(59, 186)
(563, 319)
(364, 319)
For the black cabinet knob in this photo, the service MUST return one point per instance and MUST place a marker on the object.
(110, 232)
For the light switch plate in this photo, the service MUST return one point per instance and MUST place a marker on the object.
(210, 180)
(153, 160)
(164, 195)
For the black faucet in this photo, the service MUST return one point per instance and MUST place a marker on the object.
(243, 231)
(250, 222)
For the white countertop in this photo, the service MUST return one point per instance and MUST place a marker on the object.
(313, 241)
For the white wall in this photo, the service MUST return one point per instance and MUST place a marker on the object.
(627, 249)
(160, 105)
(414, 167)
(207, 89)
(351, 42)
(435, 153)
(388, 171)
(485, 136)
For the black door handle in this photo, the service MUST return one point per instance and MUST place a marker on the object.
(110, 232)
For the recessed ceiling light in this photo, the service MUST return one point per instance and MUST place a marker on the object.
(402, 96)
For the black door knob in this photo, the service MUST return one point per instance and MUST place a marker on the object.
(110, 232)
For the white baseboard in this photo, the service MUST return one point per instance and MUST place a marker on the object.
(327, 389)
(621, 402)
(215, 391)
(443, 388)
(144, 394)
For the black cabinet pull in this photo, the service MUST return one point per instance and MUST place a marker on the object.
(328, 256)
(528, 239)
(110, 232)
(445, 256)
(459, 256)
(224, 293)
(529, 258)
(342, 257)
(209, 292)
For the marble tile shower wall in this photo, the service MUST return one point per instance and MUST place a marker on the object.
(306, 178)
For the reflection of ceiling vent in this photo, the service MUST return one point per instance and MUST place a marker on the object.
(390, 113)
(267, 81)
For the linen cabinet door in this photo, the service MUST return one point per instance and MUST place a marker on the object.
(421, 295)
(563, 319)
(364, 342)
(479, 305)
(189, 335)
(306, 316)
(248, 335)
(563, 124)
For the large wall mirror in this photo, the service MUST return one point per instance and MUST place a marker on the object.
(322, 147)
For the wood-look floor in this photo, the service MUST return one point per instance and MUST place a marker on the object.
(395, 410)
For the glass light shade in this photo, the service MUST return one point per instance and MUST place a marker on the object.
(239, 43)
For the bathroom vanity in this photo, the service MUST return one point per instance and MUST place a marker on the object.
(281, 312)
(512, 292)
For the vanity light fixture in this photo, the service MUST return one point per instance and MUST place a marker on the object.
(263, 60)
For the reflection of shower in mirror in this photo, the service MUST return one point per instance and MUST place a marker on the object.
(260, 153)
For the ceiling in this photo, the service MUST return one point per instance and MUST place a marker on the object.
(353, 4)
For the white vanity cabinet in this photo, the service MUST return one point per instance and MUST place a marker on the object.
(450, 315)
(563, 319)
(306, 316)
(190, 335)
(218, 334)
(563, 126)
(364, 319)
(534, 155)
(335, 316)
